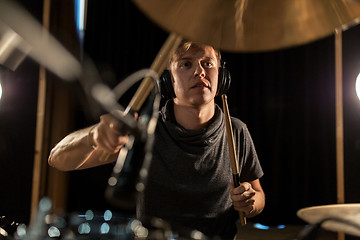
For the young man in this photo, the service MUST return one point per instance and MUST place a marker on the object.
(190, 178)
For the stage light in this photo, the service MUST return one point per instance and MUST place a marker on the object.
(80, 14)
(357, 86)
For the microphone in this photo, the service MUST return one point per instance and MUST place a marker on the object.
(124, 183)
(130, 172)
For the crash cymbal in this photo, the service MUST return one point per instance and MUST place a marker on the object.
(336, 217)
(252, 25)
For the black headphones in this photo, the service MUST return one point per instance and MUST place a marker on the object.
(167, 90)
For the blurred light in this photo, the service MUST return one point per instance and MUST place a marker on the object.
(281, 227)
(80, 21)
(112, 181)
(80, 14)
(260, 226)
(53, 232)
(21, 231)
(357, 86)
(104, 229)
(89, 215)
(264, 227)
(107, 215)
(140, 187)
(45, 204)
(3, 232)
(138, 229)
(84, 228)
(195, 235)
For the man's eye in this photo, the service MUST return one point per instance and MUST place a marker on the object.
(208, 64)
(185, 64)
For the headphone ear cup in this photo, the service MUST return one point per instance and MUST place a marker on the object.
(166, 87)
(224, 81)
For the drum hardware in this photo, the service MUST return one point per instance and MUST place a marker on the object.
(33, 40)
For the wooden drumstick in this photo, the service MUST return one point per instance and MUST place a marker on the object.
(232, 152)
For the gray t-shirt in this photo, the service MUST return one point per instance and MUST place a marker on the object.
(190, 174)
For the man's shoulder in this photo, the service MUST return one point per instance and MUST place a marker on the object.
(237, 123)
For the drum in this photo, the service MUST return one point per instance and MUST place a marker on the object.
(95, 225)
(83, 225)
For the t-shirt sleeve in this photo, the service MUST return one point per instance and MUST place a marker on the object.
(249, 165)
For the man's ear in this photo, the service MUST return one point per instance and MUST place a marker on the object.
(166, 86)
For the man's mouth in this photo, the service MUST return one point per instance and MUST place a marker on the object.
(201, 85)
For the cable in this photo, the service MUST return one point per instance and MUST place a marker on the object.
(129, 81)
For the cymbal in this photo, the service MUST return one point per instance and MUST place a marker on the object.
(341, 217)
(252, 25)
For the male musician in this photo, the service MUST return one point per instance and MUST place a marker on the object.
(190, 178)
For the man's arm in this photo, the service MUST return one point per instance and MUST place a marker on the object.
(89, 147)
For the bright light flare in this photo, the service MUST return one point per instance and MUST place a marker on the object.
(357, 86)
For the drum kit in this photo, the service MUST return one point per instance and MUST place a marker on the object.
(236, 26)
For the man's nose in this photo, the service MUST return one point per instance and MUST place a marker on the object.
(199, 71)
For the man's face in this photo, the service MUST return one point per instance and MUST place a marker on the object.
(195, 77)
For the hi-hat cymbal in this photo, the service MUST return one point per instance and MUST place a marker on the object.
(252, 25)
(338, 217)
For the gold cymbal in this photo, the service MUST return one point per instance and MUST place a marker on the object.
(341, 217)
(252, 25)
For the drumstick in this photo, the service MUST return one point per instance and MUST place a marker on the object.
(232, 152)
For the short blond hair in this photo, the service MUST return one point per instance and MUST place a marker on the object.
(186, 45)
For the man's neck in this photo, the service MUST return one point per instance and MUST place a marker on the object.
(194, 117)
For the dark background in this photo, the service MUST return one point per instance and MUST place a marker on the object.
(286, 98)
